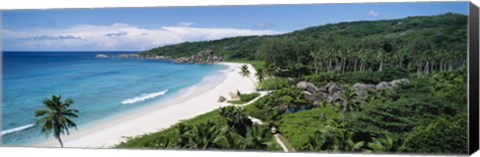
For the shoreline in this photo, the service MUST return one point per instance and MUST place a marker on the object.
(155, 117)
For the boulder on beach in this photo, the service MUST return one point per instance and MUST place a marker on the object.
(234, 95)
(101, 56)
(221, 99)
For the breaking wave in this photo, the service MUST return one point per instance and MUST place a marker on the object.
(17, 129)
(143, 97)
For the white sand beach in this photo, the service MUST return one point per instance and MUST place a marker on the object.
(153, 118)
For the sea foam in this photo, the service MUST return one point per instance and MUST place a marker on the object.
(143, 97)
(17, 129)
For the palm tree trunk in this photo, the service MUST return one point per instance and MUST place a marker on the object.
(329, 64)
(418, 68)
(381, 64)
(60, 140)
(450, 67)
(255, 83)
(355, 65)
(426, 67)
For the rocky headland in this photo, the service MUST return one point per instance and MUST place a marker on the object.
(202, 57)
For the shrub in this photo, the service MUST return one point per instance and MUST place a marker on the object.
(248, 97)
(444, 135)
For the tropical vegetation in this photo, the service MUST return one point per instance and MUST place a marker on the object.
(425, 115)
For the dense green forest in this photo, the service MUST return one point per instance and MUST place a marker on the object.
(426, 114)
(422, 44)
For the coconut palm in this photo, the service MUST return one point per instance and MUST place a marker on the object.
(231, 140)
(351, 100)
(205, 136)
(236, 118)
(333, 137)
(260, 75)
(56, 117)
(244, 72)
(256, 137)
(183, 131)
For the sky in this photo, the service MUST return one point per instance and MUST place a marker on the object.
(138, 29)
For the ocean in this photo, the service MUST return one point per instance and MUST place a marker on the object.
(100, 87)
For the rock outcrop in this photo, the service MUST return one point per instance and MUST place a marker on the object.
(332, 92)
(310, 87)
(202, 57)
(101, 56)
(138, 56)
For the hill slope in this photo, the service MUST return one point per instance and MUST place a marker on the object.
(446, 31)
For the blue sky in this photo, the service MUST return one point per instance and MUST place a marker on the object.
(145, 28)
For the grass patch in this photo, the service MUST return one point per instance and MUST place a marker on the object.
(236, 102)
(248, 97)
(244, 98)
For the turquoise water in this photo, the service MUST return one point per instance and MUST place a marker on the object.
(100, 88)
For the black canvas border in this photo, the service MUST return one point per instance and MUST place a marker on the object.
(473, 67)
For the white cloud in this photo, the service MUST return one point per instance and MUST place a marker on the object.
(186, 24)
(116, 37)
(373, 13)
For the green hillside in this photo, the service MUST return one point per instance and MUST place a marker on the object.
(446, 31)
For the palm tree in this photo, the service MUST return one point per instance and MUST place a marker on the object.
(204, 136)
(351, 100)
(260, 75)
(56, 117)
(256, 137)
(183, 130)
(333, 137)
(236, 118)
(246, 73)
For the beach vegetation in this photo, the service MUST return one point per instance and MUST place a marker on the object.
(224, 128)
